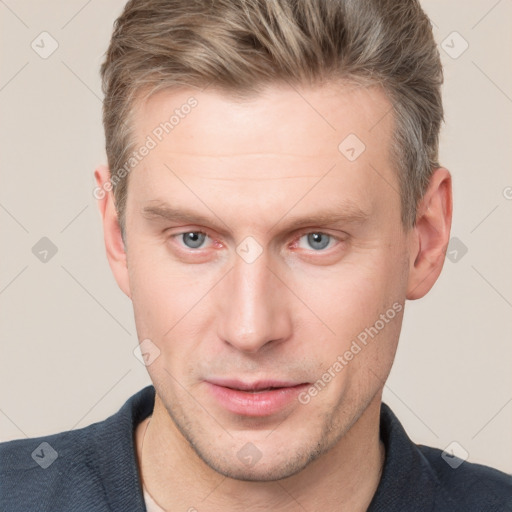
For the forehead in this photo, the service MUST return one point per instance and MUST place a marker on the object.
(283, 120)
(264, 151)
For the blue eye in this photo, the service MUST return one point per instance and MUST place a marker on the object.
(316, 241)
(193, 239)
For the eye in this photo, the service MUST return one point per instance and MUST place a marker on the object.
(316, 241)
(193, 239)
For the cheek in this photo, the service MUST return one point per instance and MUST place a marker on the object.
(172, 306)
(361, 307)
(164, 302)
(351, 291)
(350, 299)
(161, 293)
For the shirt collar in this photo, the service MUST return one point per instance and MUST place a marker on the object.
(407, 478)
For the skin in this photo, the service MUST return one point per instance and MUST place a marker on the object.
(269, 168)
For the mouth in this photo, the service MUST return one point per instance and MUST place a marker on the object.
(259, 390)
(260, 398)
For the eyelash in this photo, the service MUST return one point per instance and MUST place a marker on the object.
(179, 236)
(333, 241)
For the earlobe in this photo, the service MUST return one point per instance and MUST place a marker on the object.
(430, 235)
(114, 244)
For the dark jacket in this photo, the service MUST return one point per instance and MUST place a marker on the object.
(94, 469)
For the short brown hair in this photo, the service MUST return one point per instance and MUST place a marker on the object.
(242, 45)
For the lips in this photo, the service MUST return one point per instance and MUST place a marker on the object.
(260, 385)
(257, 390)
(259, 398)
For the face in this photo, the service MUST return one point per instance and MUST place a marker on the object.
(265, 250)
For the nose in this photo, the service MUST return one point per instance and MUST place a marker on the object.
(253, 311)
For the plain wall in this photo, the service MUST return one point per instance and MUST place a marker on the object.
(67, 331)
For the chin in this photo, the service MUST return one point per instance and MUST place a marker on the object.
(268, 472)
(270, 464)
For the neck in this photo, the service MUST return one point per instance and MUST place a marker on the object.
(345, 478)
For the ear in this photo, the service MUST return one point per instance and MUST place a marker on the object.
(430, 235)
(114, 244)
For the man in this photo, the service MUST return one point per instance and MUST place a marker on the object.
(273, 197)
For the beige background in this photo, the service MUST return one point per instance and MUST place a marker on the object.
(67, 332)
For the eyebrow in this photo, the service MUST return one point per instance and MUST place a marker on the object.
(163, 211)
(348, 213)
